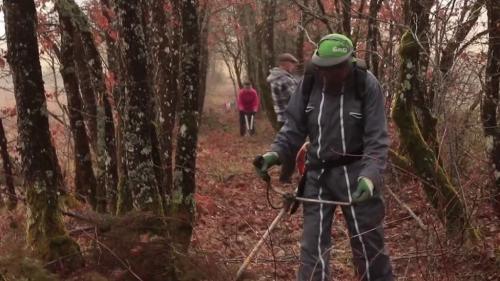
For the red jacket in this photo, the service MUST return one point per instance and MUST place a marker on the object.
(248, 100)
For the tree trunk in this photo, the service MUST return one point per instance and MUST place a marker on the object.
(233, 76)
(138, 101)
(10, 191)
(301, 33)
(259, 57)
(90, 62)
(46, 235)
(204, 55)
(437, 186)
(151, 40)
(416, 15)
(111, 43)
(151, 44)
(346, 18)
(359, 13)
(89, 99)
(182, 204)
(164, 55)
(94, 64)
(169, 103)
(115, 170)
(250, 46)
(85, 181)
(124, 200)
(237, 70)
(372, 59)
(489, 107)
(111, 162)
(449, 53)
(267, 61)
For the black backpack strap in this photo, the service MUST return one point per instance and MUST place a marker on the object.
(308, 81)
(360, 77)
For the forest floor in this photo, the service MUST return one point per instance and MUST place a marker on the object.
(233, 213)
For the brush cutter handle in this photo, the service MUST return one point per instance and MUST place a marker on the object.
(310, 200)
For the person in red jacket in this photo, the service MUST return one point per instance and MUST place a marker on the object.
(248, 104)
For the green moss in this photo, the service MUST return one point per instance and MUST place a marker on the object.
(182, 209)
(68, 8)
(409, 47)
(92, 276)
(63, 250)
(46, 236)
(19, 268)
(33, 271)
(437, 185)
(124, 201)
(175, 201)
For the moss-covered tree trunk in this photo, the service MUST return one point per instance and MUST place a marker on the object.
(490, 104)
(89, 62)
(152, 38)
(165, 57)
(116, 170)
(9, 193)
(417, 16)
(138, 99)
(182, 204)
(85, 181)
(440, 193)
(124, 200)
(46, 235)
(111, 160)
(106, 174)
(88, 96)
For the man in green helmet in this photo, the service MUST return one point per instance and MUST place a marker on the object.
(340, 107)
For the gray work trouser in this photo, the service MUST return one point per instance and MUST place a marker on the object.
(364, 222)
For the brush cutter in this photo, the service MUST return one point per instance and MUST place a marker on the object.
(291, 202)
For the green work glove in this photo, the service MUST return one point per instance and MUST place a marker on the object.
(364, 190)
(262, 164)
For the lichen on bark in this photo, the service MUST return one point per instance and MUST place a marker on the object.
(46, 235)
(437, 186)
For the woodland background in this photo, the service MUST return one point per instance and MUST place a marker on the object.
(121, 158)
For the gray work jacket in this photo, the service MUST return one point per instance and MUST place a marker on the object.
(337, 124)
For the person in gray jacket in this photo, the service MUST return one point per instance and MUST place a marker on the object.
(283, 84)
(342, 113)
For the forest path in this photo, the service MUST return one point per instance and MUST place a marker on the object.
(233, 213)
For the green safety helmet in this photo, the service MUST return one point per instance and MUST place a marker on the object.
(333, 49)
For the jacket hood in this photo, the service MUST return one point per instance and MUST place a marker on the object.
(276, 73)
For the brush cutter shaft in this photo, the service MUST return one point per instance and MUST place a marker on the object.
(322, 201)
(256, 249)
(302, 199)
(284, 210)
